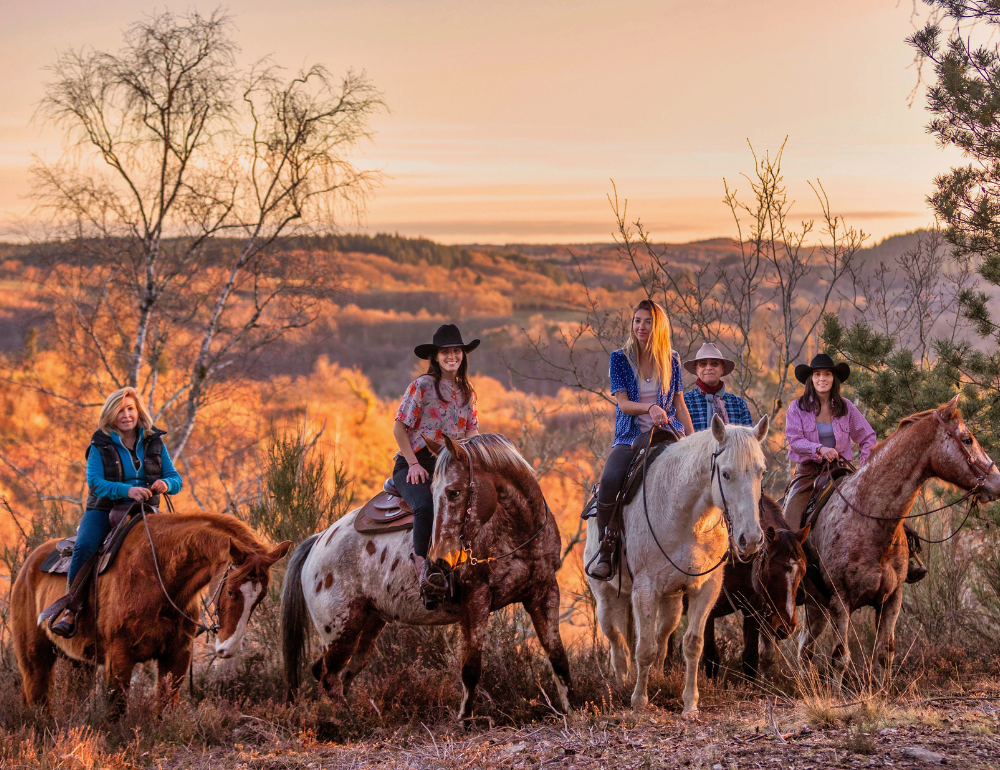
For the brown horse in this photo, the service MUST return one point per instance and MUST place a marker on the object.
(858, 539)
(496, 533)
(135, 621)
(764, 590)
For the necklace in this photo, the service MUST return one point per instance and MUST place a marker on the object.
(648, 379)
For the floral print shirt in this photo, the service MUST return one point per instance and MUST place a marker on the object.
(426, 415)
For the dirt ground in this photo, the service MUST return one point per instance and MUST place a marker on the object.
(959, 731)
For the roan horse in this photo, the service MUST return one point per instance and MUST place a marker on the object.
(764, 590)
(491, 525)
(695, 490)
(135, 619)
(858, 537)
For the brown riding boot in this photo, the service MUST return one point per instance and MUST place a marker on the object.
(602, 566)
(915, 569)
(67, 608)
(66, 625)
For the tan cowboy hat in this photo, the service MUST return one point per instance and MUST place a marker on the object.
(708, 350)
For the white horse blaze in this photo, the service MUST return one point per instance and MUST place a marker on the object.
(225, 648)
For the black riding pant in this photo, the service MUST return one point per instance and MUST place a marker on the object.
(612, 479)
(418, 497)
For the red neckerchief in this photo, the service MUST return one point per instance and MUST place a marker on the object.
(713, 389)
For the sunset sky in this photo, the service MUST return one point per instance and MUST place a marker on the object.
(508, 119)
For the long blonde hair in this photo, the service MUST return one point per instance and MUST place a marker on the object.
(658, 346)
(113, 405)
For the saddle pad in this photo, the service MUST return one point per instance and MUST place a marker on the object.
(57, 562)
(633, 481)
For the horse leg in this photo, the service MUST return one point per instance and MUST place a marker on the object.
(751, 642)
(668, 652)
(36, 657)
(545, 618)
(840, 619)
(665, 639)
(645, 609)
(768, 654)
(118, 665)
(474, 621)
(613, 615)
(711, 655)
(345, 629)
(812, 629)
(699, 607)
(171, 668)
(366, 646)
(885, 639)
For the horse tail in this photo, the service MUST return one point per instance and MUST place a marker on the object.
(294, 617)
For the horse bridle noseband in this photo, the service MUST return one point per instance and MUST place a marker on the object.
(465, 555)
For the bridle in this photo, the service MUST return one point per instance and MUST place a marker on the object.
(210, 608)
(725, 512)
(975, 464)
(465, 555)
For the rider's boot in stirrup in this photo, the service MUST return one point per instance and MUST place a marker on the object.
(66, 625)
(915, 569)
(603, 567)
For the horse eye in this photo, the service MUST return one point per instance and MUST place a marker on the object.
(967, 440)
(453, 494)
(725, 475)
(232, 595)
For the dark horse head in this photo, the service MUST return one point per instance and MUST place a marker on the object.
(472, 481)
(779, 569)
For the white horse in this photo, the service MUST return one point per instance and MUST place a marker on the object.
(685, 508)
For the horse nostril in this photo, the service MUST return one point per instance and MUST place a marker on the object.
(743, 542)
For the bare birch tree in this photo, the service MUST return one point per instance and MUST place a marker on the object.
(183, 173)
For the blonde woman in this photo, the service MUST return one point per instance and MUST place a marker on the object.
(646, 382)
(126, 460)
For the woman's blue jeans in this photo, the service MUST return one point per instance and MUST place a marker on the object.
(94, 527)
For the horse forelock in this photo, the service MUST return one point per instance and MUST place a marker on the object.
(742, 450)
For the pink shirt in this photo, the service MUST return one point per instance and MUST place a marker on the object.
(803, 435)
(426, 415)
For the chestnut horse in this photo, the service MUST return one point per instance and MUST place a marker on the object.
(764, 590)
(858, 538)
(491, 526)
(135, 619)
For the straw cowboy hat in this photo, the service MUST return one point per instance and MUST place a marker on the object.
(822, 361)
(447, 336)
(708, 350)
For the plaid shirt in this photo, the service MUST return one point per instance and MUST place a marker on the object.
(736, 409)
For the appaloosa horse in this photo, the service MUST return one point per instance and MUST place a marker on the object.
(764, 590)
(135, 620)
(858, 539)
(701, 496)
(491, 526)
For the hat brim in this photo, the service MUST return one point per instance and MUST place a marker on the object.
(428, 349)
(841, 371)
(727, 366)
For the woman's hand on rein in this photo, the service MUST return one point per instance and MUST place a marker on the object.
(159, 486)
(139, 494)
(417, 474)
(829, 453)
(658, 414)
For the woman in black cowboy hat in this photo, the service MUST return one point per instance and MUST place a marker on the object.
(820, 426)
(439, 403)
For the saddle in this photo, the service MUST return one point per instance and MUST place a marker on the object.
(662, 438)
(384, 513)
(122, 521)
(823, 489)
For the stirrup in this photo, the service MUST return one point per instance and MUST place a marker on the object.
(605, 555)
(436, 585)
(64, 627)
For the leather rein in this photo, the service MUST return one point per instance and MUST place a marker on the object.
(465, 556)
(209, 607)
(725, 512)
(975, 464)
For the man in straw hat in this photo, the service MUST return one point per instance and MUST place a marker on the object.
(709, 396)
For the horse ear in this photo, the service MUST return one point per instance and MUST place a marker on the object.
(770, 533)
(456, 451)
(947, 411)
(433, 445)
(237, 554)
(762, 428)
(280, 550)
(718, 429)
(803, 533)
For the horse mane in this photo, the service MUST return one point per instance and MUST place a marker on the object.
(194, 529)
(493, 452)
(741, 441)
(905, 423)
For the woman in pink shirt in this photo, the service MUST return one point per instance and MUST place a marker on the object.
(821, 426)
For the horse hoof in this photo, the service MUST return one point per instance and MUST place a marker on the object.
(690, 713)
(639, 703)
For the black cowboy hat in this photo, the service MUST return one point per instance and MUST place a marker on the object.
(447, 336)
(822, 361)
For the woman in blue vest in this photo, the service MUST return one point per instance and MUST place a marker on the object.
(646, 383)
(126, 460)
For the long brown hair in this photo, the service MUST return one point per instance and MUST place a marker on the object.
(809, 400)
(658, 346)
(461, 377)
